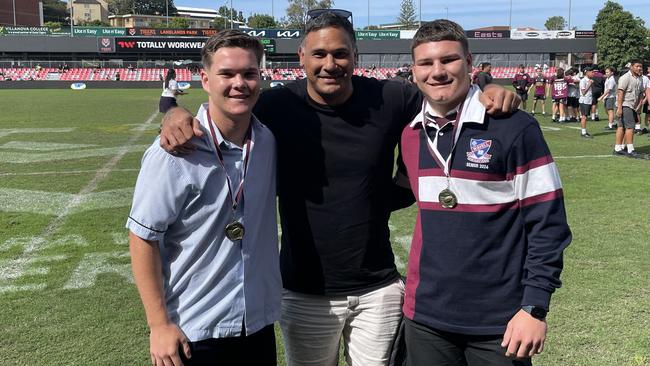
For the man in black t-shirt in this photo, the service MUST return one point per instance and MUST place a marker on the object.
(336, 137)
(484, 77)
(597, 89)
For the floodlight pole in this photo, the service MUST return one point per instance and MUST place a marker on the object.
(167, 11)
(569, 14)
(13, 2)
(368, 14)
(231, 25)
(420, 14)
(510, 21)
(447, 11)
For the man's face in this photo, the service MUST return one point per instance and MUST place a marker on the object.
(328, 58)
(636, 69)
(539, 72)
(232, 82)
(589, 74)
(488, 68)
(440, 71)
(521, 70)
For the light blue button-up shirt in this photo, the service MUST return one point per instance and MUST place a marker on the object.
(212, 284)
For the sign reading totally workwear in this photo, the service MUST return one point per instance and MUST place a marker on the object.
(26, 31)
(377, 35)
(155, 45)
(97, 31)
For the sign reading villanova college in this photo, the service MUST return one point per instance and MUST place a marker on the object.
(26, 31)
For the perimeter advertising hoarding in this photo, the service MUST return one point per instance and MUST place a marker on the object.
(98, 31)
(106, 45)
(162, 45)
(483, 34)
(585, 34)
(171, 32)
(273, 33)
(376, 35)
(158, 45)
(533, 34)
(26, 31)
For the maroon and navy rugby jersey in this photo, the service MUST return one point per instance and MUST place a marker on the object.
(561, 87)
(472, 267)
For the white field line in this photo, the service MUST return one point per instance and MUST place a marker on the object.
(10, 131)
(59, 172)
(585, 157)
(42, 146)
(20, 264)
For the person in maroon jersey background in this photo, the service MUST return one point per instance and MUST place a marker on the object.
(522, 82)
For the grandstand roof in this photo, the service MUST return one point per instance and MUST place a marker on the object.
(94, 2)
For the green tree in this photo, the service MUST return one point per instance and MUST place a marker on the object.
(297, 12)
(555, 23)
(179, 23)
(55, 11)
(224, 19)
(53, 25)
(147, 7)
(261, 21)
(620, 36)
(406, 15)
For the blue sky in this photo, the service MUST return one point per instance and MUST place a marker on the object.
(468, 13)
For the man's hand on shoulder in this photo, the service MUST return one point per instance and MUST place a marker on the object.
(177, 129)
(524, 336)
(165, 341)
(498, 100)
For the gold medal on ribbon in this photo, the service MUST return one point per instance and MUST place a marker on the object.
(235, 231)
(447, 198)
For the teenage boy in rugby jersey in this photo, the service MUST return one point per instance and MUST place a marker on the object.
(541, 90)
(522, 82)
(491, 226)
(559, 94)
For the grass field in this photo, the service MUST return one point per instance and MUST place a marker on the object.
(68, 163)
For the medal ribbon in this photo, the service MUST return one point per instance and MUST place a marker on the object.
(432, 146)
(247, 149)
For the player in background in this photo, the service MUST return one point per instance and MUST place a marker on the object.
(573, 103)
(559, 94)
(586, 96)
(541, 90)
(609, 97)
(522, 82)
(597, 89)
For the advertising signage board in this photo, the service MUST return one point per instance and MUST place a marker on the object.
(26, 31)
(98, 32)
(482, 34)
(157, 45)
(171, 32)
(377, 35)
(162, 45)
(585, 34)
(274, 33)
(534, 34)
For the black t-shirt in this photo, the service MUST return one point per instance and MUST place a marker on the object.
(335, 167)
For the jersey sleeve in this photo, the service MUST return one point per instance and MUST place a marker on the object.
(539, 191)
(159, 195)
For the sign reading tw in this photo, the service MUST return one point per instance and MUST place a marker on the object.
(157, 45)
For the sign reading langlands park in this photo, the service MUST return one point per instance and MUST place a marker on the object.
(149, 45)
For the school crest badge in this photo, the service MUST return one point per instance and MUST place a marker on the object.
(478, 151)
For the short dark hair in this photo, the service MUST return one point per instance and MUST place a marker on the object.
(230, 38)
(329, 19)
(559, 73)
(611, 68)
(440, 30)
(635, 61)
(485, 65)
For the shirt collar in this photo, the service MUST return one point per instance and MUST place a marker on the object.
(202, 116)
(473, 111)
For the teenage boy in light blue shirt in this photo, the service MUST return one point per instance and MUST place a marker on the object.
(203, 231)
